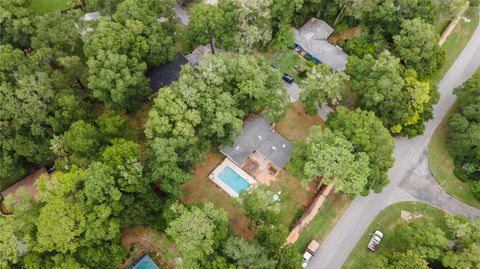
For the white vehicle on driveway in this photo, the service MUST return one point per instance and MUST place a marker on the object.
(312, 247)
(375, 240)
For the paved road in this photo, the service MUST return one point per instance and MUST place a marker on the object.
(410, 177)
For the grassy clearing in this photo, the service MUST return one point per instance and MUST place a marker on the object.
(386, 221)
(286, 61)
(140, 239)
(441, 163)
(45, 6)
(294, 198)
(457, 40)
(324, 221)
(296, 123)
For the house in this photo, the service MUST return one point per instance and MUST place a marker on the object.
(165, 74)
(86, 19)
(259, 148)
(258, 154)
(200, 53)
(27, 182)
(311, 39)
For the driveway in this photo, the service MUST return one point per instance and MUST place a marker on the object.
(410, 177)
(182, 14)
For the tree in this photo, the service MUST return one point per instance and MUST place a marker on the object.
(9, 243)
(396, 96)
(247, 254)
(251, 20)
(206, 22)
(463, 128)
(322, 86)
(331, 156)
(367, 134)
(81, 143)
(31, 118)
(16, 23)
(205, 107)
(290, 258)
(111, 125)
(259, 205)
(417, 46)
(272, 237)
(193, 231)
(466, 243)
(60, 225)
(118, 51)
(421, 237)
(57, 30)
(449, 9)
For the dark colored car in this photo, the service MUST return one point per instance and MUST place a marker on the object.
(287, 78)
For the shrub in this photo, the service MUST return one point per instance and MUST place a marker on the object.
(460, 174)
(475, 188)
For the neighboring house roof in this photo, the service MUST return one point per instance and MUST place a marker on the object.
(258, 135)
(199, 53)
(165, 74)
(28, 182)
(92, 16)
(312, 37)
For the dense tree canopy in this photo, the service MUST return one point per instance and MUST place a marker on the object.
(322, 86)
(36, 102)
(206, 106)
(417, 46)
(330, 155)
(367, 134)
(197, 232)
(397, 96)
(463, 129)
(118, 51)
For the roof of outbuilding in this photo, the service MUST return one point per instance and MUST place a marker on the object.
(258, 135)
(28, 182)
(165, 74)
(92, 16)
(313, 38)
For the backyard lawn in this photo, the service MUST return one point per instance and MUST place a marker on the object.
(386, 221)
(457, 40)
(296, 123)
(45, 6)
(440, 161)
(286, 61)
(324, 221)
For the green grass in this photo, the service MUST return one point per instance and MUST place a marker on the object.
(324, 221)
(457, 40)
(45, 6)
(386, 221)
(285, 61)
(441, 163)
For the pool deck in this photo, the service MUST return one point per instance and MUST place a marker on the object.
(214, 177)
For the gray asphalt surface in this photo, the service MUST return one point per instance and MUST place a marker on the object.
(410, 176)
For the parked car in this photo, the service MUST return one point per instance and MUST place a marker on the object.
(287, 78)
(375, 240)
(311, 249)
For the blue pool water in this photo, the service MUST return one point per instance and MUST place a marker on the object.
(233, 180)
(145, 263)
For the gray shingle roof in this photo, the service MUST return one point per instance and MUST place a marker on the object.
(313, 38)
(258, 135)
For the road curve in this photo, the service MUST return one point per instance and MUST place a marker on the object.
(410, 177)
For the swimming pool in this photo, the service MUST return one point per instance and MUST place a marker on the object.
(233, 180)
(145, 263)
